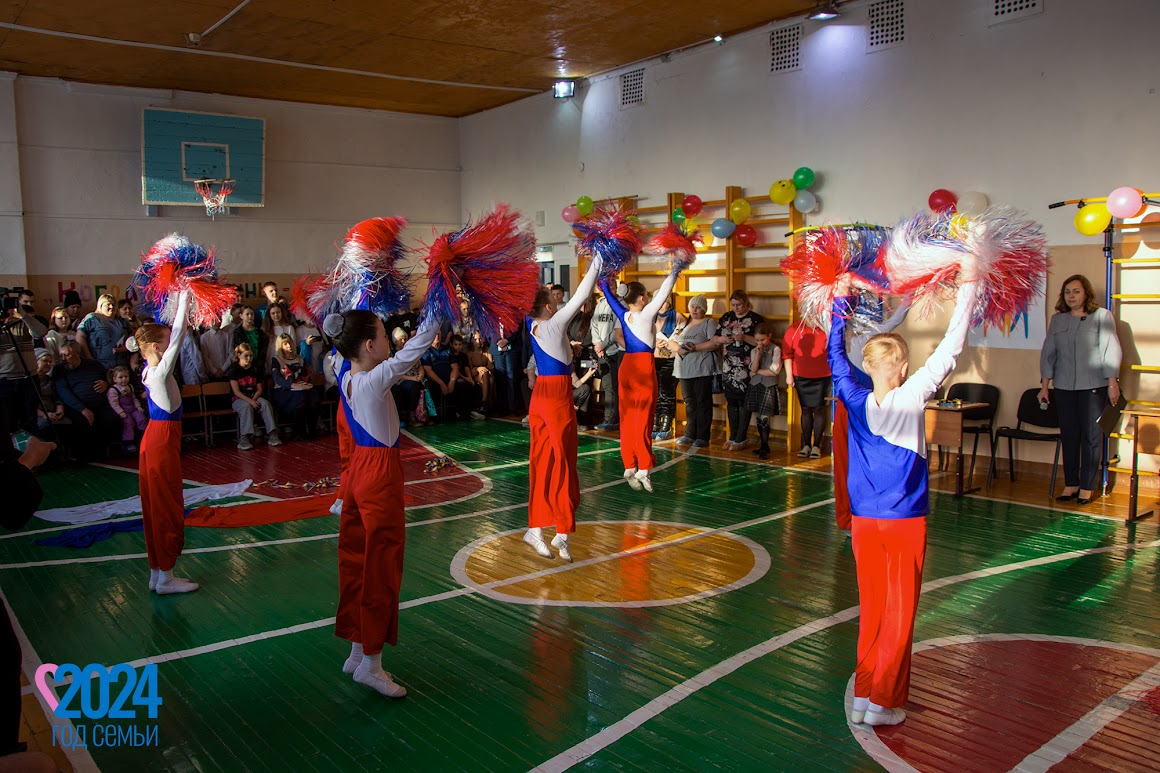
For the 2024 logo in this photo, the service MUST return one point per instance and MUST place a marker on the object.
(92, 690)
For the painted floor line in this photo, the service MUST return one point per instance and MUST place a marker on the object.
(614, 732)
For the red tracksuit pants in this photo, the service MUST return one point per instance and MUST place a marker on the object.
(840, 445)
(345, 447)
(162, 504)
(554, 485)
(372, 534)
(890, 554)
(637, 404)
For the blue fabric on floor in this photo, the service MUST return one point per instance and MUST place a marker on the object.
(86, 536)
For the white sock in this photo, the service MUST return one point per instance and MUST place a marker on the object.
(164, 576)
(874, 707)
(628, 473)
(861, 704)
(641, 474)
(372, 663)
(537, 532)
(356, 650)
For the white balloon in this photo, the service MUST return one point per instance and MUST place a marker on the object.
(805, 201)
(972, 203)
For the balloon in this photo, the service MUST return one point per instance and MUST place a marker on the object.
(960, 225)
(723, 228)
(782, 192)
(1092, 219)
(972, 203)
(746, 235)
(585, 205)
(942, 200)
(689, 225)
(678, 216)
(803, 178)
(691, 205)
(570, 213)
(805, 201)
(739, 211)
(1125, 202)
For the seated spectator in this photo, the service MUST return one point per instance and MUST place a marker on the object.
(49, 410)
(295, 398)
(99, 333)
(408, 390)
(248, 383)
(311, 347)
(582, 391)
(128, 323)
(80, 383)
(439, 367)
(124, 402)
(468, 393)
(482, 367)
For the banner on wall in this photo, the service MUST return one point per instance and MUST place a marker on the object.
(1025, 331)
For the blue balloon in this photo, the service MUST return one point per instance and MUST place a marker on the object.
(723, 227)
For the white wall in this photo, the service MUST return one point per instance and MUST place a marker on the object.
(1059, 105)
(326, 168)
(12, 255)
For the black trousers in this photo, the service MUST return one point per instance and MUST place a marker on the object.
(1081, 435)
(666, 389)
(739, 417)
(608, 387)
(698, 395)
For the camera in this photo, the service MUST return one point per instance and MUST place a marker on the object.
(10, 298)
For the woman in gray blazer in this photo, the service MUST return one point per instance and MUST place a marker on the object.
(1082, 357)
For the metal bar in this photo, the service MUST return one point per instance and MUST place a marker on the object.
(1146, 368)
(1137, 296)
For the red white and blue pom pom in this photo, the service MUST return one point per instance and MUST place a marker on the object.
(614, 234)
(1011, 264)
(817, 263)
(175, 265)
(492, 264)
(676, 243)
(923, 257)
(311, 299)
(366, 274)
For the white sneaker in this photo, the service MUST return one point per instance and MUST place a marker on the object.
(885, 717)
(815, 452)
(244, 444)
(379, 681)
(170, 585)
(524, 420)
(535, 538)
(858, 710)
(633, 481)
(153, 574)
(477, 415)
(336, 508)
(274, 439)
(644, 480)
(729, 444)
(560, 543)
(804, 452)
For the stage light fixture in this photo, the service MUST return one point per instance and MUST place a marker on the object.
(824, 12)
(564, 89)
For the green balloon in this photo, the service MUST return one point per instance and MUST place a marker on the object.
(585, 205)
(678, 215)
(803, 178)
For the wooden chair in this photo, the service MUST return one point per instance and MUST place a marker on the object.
(193, 413)
(217, 406)
(1031, 414)
(328, 405)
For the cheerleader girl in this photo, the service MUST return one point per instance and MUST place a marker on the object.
(637, 378)
(372, 529)
(162, 504)
(554, 486)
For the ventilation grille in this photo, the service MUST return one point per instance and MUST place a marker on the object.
(785, 49)
(632, 88)
(1010, 10)
(887, 24)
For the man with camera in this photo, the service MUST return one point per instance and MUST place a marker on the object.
(19, 331)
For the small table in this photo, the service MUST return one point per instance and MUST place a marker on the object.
(1147, 420)
(944, 427)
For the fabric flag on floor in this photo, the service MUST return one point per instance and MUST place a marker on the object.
(261, 513)
(86, 536)
(99, 511)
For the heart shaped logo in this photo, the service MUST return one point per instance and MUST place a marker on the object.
(42, 684)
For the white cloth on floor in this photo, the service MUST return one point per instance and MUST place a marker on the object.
(99, 511)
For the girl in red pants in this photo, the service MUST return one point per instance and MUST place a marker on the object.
(554, 485)
(162, 503)
(887, 481)
(638, 377)
(372, 529)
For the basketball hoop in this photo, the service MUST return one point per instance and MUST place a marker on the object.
(215, 201)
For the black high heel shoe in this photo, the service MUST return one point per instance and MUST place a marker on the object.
(1068, 498)
(1082, 501)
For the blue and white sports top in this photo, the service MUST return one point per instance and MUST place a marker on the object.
(367, 400)
(640, 328)
(162, 396)
(549, 337)
(888, 472)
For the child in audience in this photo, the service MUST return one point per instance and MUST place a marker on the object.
(294, 396)
(763, 399)
(248, 383)
(124, 403)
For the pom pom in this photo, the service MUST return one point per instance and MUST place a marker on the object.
(613, 235)
(306, 290)
(366, 274)
(677, 243)
(923, 258)
(817, 263)
(175, 265)
(1011, 264)
(492, 264)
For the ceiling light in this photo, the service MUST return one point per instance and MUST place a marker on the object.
(718, 39)
(564, 89)
(824, 12)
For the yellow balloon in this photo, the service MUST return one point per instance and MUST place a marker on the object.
(782, 192)
(960, 226)
(739, 211)
(690, 225)
(1092, 219)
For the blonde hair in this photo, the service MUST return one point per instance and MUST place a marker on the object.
(241, 349)
(107, 297)
(285, 338)
(885, 349)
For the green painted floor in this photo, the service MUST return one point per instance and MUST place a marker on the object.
(508, 687)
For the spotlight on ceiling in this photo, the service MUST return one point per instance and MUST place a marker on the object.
(718, 39)
(824, 12)
(564, 89)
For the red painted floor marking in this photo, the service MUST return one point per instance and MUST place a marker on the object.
(985, 706)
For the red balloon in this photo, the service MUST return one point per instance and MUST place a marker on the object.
(942, 200)
(746, 235)
(691, 205)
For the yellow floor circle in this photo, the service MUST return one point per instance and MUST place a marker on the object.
(614, 563)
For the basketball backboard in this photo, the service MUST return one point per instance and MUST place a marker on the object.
(180, 147)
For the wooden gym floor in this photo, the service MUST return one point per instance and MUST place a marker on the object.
(711, 624)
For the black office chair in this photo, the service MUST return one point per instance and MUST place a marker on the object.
(977, 420)
(1032, 414)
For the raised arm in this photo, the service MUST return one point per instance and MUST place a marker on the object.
(927, 379)
(582, 291)
(393, 368)
(169, 358)
(660, 296)
(840, 367)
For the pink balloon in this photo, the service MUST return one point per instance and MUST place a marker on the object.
(1125, 202)
(570, 213)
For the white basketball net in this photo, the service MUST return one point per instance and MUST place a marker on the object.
(215, 201)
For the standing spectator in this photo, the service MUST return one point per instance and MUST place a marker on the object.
(764, 399)
(505, 355)
(468, 393)
(605, 344)
(17, 394)
(466, 327)
(696, 349)
(72, 304)
(27, 302)
(310, 345)
(277, 322)
(1081, 356)
(582, 390)
(59, 331)
(80, 383)
(735, 333)
(669, 324)
(99, 333)
(230, 318)
(191, 368)
(558, 293)
(216, 344)
(248, 383)
(270, 297)
(128, 323)
(249, 333)
(808, 374)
